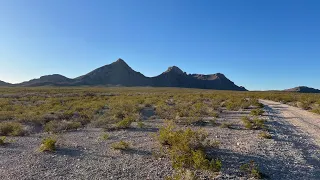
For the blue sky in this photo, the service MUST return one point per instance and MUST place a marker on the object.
(267, 44)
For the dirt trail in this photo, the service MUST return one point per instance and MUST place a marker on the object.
(297, 133)
(305, 121)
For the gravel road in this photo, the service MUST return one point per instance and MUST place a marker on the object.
(296, 132)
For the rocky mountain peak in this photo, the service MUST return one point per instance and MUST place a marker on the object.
(174, 69)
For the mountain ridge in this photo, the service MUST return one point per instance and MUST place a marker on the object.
(303, 89)
(119, 73)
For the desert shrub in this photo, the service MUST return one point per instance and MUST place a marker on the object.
(141, 124)
(104, 136)
(213, 121)
(59, 126)
(2, 140)
(125, 123)
(316, 110)
(265, 135)
(303, 105)
(251, 170)
(257, 112)
(226, 125)
(122, 145)
(186, 148)
(48, 144)
(11, 129)
(184, 174)
(256, 123)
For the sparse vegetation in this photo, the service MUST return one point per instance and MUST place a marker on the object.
(2, 140)
(257, 112)
(11, 129)
(141, 124)
(265, 135)
(125, 123)
(122, 145)
(104, 136)
(251, 170)
(59, 126)
(186, 148)
(256, 123)
(48, 144)
(226, 125)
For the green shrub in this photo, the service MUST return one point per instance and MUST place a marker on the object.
(2, 140)
(256, 123)
(247, 122)
(257, 112)
(104, 136)
(226, 125)
(11, 129)
(265, 135)
(184, 174)
(125, 123)
(59, 126)
(186, 148)
(48, 144)
(251, 170)
(122, 145)
(141, 124)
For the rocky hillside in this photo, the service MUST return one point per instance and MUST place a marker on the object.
(303, 89)
(2, 83)
(119, 73)
(54, 79)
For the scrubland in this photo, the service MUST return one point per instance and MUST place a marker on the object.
(153, 133)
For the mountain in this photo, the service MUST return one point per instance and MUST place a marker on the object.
(116, 73)
(303, 89)
(48, 80)
(175, 77)
(2, 83)
(119, 73)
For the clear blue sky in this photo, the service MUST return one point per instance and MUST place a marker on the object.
(265, 44)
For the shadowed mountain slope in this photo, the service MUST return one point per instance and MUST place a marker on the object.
(119, 73)
(303, 89)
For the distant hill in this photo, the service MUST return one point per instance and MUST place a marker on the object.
(303, 89)
(2, 83)
(119, 73)
(53, 80)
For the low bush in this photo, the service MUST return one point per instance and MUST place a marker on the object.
(226, 125)
(122, 145)
(251, 170)
(265, 135)
(104, 136)
(59, 126)
(2, 140)
(141, 124)
(184, 174)
(186, 148)
(125, 123)
(256, 123)
(257, 112)
(48, 144)
(11, 129)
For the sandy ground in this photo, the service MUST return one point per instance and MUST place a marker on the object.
(291, 154)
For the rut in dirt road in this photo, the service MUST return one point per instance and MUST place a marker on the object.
(296, 141)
